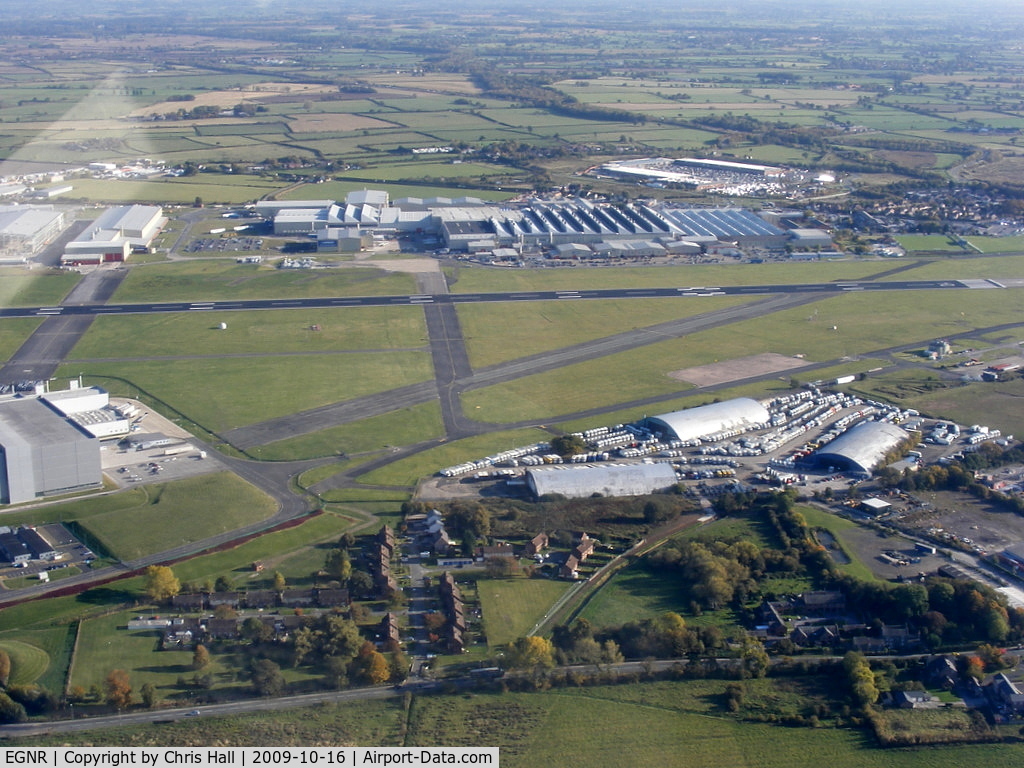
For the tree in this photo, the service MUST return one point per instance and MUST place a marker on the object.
(279, 581)
(161, 583)
(117, 689)
(755, 658)
(360, 583)
(399, 665)
(5, 668)
(568, 445)
(200, 657)
(370, 666)
(340, 637)
(223, 584)
(266, 678)
(149, 695)
(10, 710)
(531, 652)
(338, 565)
(255, 631)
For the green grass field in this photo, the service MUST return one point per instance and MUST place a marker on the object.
(13, 332)
(223, 280)
(270, 386)
(511, 607)
(403, 427)
(928, 243)
(632, 594)
(179, 513)
(1014, 244)
(21, 288)
(499, 332)
(817, 518)
(493, 280)
(106, 644)
(28, 662)
(253, 333)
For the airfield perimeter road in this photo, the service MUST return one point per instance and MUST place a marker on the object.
(453, 374)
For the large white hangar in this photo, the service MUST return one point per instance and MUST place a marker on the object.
(113, 235)
(860, 449)
(581, 481)
(741, 413)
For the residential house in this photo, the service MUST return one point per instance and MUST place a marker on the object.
(536, 545)
(333, 598)
(231, 599)
(260, 598)
(570, 568)
(297, 598)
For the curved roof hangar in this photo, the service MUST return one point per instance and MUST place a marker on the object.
(740, 413)
(861, 448)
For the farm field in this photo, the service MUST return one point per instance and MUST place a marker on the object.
(653, 724)
(181, 191)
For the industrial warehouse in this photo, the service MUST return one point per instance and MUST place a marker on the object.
(470, 225)
(24, 229)
(50, 442)
(114, 235)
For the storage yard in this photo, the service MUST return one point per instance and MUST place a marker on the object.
(812, 438)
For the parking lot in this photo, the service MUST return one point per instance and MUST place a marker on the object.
(217, 244)
(71, 552)
(126, 466)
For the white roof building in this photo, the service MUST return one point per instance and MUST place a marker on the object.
(741, 413)
(577, 481)
(24, 229)
(114, 233)
(861, 448)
